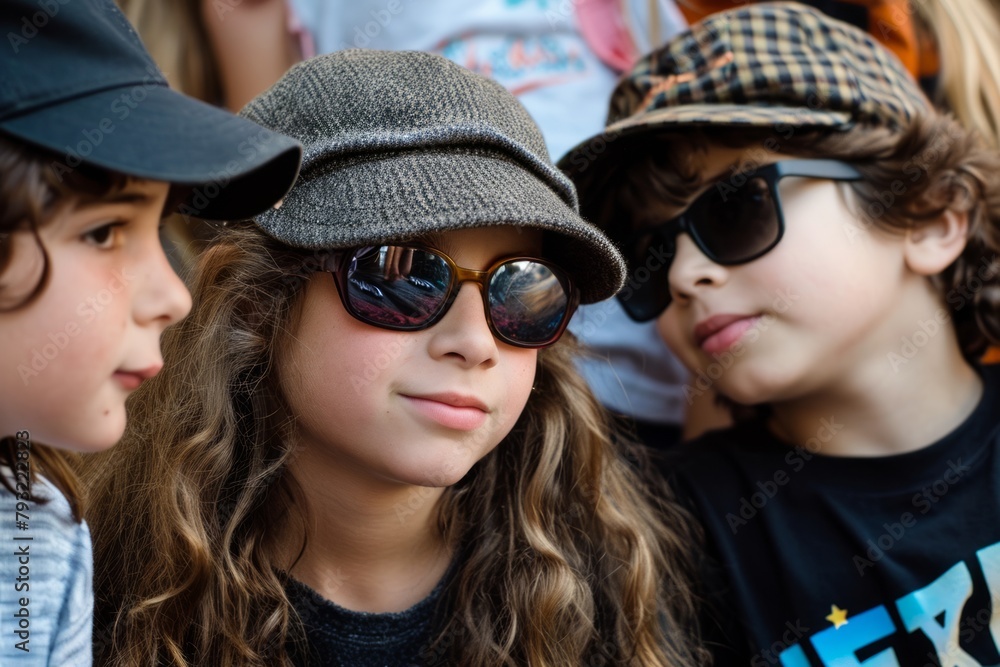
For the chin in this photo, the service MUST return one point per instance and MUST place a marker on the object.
(98, 443)
(103, 436)
(432, 474)
(438, 479)
(753, 391)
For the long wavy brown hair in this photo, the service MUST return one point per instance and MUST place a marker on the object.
(910, 178)
(569, 555)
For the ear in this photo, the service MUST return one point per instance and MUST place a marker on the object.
(929, 249)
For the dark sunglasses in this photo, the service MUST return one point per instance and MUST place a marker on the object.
(528, 301)
(730, 224)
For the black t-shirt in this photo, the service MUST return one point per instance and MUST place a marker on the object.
(904, 548)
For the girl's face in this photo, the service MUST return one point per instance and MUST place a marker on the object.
(417, 408)
(73, 355)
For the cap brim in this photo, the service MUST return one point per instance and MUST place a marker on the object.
(153, 132)
(590, 163)
(587, 153)
(401, 196)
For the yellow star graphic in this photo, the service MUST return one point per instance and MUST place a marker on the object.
(837, 616)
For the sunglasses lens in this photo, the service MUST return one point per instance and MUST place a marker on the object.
(736, 226)
(407, 288)
(529, 302)
(397, 287)
(647, 292)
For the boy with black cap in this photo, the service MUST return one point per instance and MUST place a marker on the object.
(819, 246)
(92, 146)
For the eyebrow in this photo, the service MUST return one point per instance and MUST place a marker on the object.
(126, 197)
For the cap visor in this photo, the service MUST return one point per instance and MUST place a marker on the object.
(153, 132)
(587, 153)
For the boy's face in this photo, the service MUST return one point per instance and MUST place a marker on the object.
(73, 355)
(816, 312)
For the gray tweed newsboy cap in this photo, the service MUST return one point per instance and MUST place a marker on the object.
(402, 143)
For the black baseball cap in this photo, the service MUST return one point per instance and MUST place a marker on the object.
(76, 79)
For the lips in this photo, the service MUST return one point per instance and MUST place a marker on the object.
(131, 379)
(453, 411)
(720, 332)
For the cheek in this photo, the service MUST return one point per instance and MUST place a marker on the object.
(325, 364)
(373, 360)
(521, 379)
(669, 328)
(103, 336)
(74, 341)
(835, 288)
(512, 390)
(332, 362)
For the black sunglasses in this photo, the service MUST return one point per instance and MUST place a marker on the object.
(730, 224)
(528, 301)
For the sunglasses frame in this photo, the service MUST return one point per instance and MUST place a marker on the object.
(459, 275)
(833, 170)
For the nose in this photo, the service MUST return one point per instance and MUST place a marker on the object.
(692, 271)
(161, 298)
(463, 335)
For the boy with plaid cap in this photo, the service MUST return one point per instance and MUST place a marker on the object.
(818, 245)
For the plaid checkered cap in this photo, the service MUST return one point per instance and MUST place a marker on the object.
(781, 65)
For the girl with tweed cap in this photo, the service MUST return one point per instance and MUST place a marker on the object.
(368, 445)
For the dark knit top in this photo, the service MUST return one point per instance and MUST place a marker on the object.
(338, 636)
